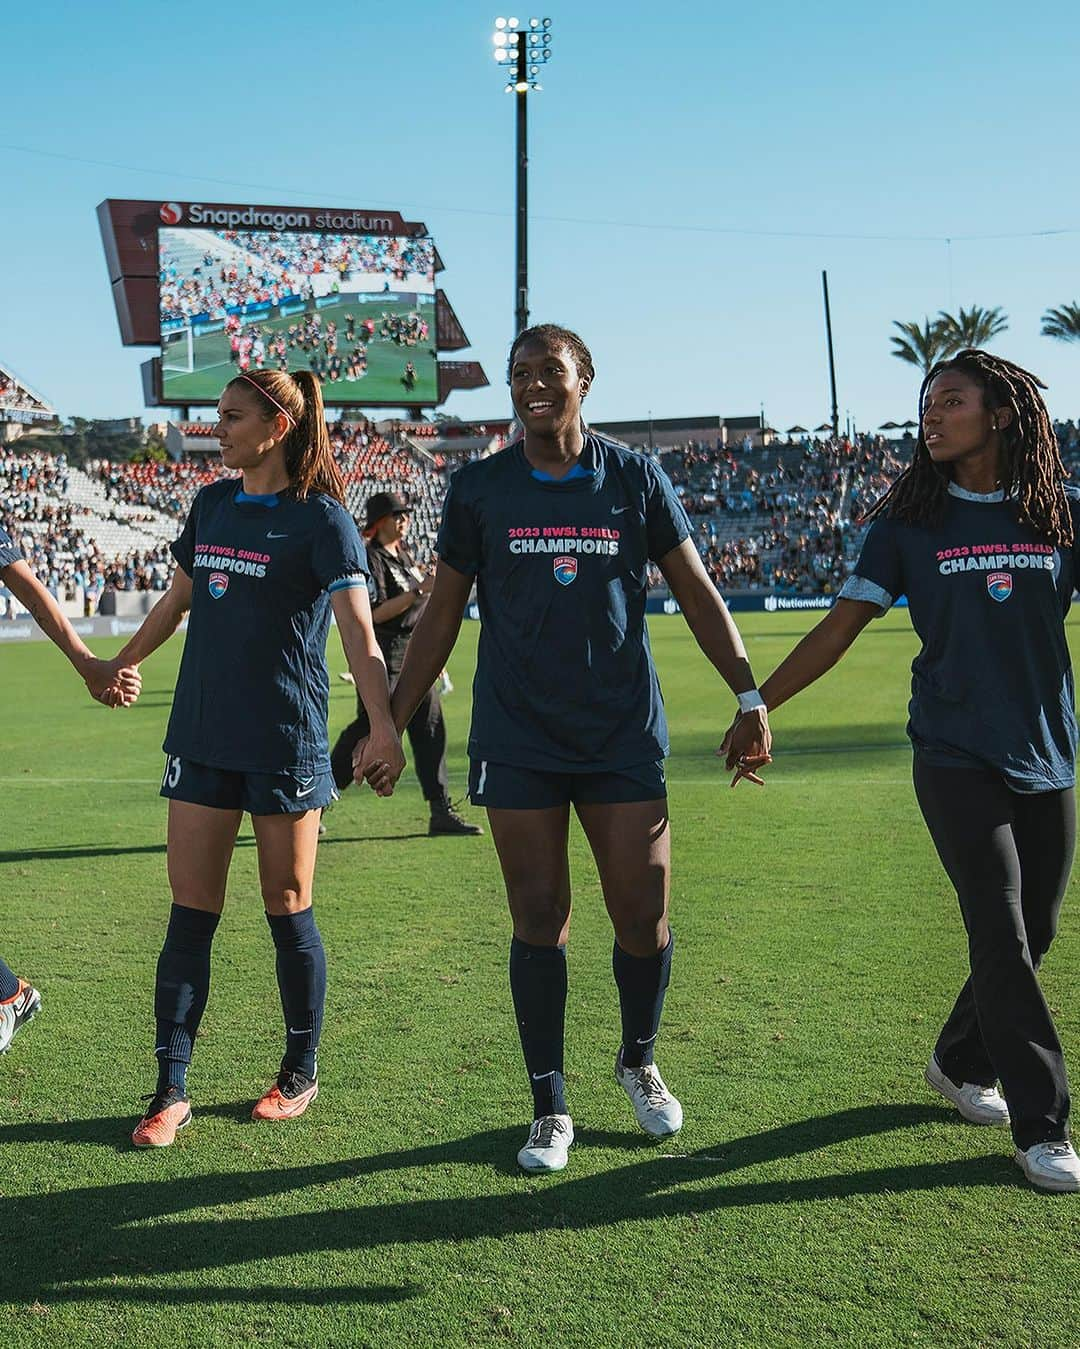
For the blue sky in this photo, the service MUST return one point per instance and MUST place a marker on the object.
(692, 170)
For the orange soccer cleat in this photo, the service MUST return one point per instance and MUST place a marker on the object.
(167, 1112)
(290, 1096)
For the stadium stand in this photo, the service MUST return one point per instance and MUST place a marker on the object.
(782, 518)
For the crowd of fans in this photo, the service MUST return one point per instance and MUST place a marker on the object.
(34, 511)
(780, 518)
(786, 518)
(279, 266)
(348, 255)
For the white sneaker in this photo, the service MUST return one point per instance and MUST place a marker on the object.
(1051, 1166)
(657, 1111)
(548, 1144)
(17, 1011)
(978, 1105)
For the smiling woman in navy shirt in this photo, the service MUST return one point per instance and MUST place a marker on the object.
(558, 531)
(983, 537)
(262, 560)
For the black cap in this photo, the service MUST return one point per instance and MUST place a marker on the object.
(383, 504)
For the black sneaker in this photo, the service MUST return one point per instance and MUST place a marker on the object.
(446, 820)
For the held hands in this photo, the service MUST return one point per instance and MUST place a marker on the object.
(427, 585)
(112, 684)
(747, 746)
(379, 760)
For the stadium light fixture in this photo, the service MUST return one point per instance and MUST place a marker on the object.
(526, 46)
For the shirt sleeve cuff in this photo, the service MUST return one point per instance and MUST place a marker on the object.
(460, 564)
(868, 592)
(347, 583)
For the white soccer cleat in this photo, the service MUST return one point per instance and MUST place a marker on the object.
(1051, 1166)
(978, 1105)
(657, 1111)
(548, 1144)
(17, 1011)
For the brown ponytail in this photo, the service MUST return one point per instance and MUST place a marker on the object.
(309, 461)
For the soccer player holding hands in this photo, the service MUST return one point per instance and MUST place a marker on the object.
(558, 530)
(262, 560)
(110, 682)
(983, 537)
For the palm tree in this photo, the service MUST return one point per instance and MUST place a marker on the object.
(972, 327)
(1063, 323)
(923, 346)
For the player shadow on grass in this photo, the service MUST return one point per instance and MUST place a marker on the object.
(69, 851)
(99, 1243)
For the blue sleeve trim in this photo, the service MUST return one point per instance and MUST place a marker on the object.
(347, 583)
(868, 592)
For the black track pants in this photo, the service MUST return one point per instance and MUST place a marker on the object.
(1008, 855)
(427, 740)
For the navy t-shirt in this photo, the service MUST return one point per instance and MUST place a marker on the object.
(993, 681)
(564, 679)
(253, 689)
(9, 552)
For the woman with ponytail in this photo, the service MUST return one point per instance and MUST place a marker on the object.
(262, 561)
(982, 535)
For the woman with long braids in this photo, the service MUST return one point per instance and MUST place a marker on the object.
(983, 537)
(262, 561)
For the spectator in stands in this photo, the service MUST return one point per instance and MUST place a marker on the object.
(399, 589)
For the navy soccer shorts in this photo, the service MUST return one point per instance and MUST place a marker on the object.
(502, 786)
(257, 793)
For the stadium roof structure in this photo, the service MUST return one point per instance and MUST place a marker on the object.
(664, 432)
(19, 403)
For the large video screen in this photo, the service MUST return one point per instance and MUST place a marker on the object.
(358, 310)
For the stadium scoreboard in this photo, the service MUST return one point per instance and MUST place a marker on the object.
(223, 288)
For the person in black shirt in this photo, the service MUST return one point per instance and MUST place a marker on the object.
(983, 537)
(262, 561)
(558, 530)
(399, 589)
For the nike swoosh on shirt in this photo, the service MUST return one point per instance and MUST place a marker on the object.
(618, 510)
(272, 535)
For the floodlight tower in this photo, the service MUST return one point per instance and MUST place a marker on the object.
(521, 51)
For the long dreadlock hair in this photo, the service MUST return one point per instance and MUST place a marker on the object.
(1032, 473)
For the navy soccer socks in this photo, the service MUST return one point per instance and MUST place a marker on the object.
(183, 985)
(538, 987)
(642, 982)
(9, 983)
(301, 976)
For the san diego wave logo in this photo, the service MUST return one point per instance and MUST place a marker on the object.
(565, 569)
(999, 584)
(218, 583)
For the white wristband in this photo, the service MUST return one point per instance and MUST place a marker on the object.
(750, 700)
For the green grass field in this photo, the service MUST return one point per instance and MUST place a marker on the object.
(818, 1195)
(381, 384)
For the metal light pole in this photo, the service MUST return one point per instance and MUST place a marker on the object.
(522, 51)
(832, 362)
